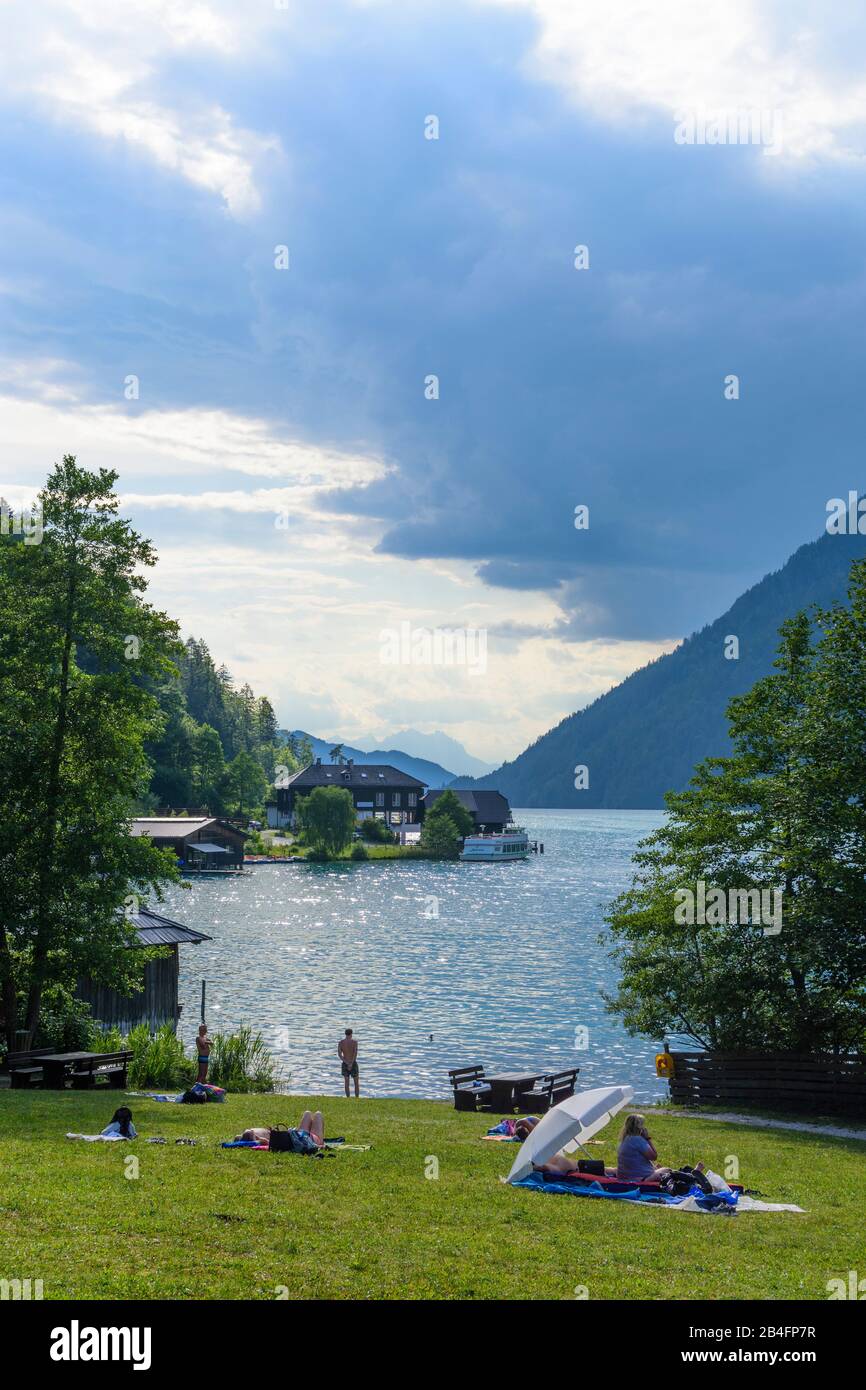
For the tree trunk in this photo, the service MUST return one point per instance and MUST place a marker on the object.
(49, 837)
(9, 995)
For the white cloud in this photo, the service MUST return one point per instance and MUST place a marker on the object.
(299, 611)
(96, 66)
(626, 59)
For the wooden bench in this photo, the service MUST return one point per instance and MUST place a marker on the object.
(24, 1068)
(112, 1066)
(469, 1087)
(549, 1091)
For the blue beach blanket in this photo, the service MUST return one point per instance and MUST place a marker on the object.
(715, 1201)
(211, 1093)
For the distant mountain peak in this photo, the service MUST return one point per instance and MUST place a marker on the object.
(439, 747)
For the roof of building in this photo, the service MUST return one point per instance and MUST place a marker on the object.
(155, 930)
(486, 806)
(358, 776)
(177, 827)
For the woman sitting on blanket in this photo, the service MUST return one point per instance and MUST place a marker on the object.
(310, 1133)
(635, 1157)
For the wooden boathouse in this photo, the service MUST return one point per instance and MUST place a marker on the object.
(157, 1001)
(206, 843)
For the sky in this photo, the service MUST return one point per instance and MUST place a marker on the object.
(306, 276)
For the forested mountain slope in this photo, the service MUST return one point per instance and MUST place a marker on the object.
(643, 738)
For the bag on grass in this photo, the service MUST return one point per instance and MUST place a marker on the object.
(209, 1092)
(682, 1180)
(295, 1141)
(595, 1166)
(193, 1097)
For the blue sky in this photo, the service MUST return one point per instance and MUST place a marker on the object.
(303, 493)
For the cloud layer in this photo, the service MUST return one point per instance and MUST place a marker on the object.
(306, 480)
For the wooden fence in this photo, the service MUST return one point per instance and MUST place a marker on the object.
(818, 1085)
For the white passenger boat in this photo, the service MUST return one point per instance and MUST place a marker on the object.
(499, 847)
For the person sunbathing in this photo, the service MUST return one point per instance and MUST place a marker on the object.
(121, 1123)
(524, 1127)
(310, 1133)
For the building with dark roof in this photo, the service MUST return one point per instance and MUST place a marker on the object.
(157, 1001)
(377, 790)
(487, 808)
(200, 842)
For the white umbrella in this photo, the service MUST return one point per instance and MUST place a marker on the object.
(568, 1125)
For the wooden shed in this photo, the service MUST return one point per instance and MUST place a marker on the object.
(157, 1002)
(203, 844)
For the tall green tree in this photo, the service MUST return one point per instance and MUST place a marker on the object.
(247, 782)
(327, 818)
(78, 644)
(208, 767)
(449, 805)
(786, 813)
(265, 722)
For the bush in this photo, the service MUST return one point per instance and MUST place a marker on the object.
(376, 832)
(359, 852)
(318, 856)
(65, 1022)
(440, 838)
(241, 1062)
(109, 1040)
(158, 1059)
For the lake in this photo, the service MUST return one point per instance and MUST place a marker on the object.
(433, 965)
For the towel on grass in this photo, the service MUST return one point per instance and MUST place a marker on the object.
(335, 1145)
(109, 1135)
(720, 1203)
(211, 1093)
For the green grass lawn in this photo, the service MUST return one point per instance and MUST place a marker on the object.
(208, 1222)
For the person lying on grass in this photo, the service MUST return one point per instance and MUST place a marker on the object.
(308, 1137)
(524, 1127)
(635, 1158)
(121, 1123)
(120, 1126)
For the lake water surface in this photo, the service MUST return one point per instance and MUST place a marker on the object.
(500, 963)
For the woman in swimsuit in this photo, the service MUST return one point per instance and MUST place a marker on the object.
(310, 1132)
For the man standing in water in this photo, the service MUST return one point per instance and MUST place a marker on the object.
(347, 1051)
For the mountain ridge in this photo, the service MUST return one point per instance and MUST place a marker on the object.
(644, 736)
(432, 774)
(440, 748)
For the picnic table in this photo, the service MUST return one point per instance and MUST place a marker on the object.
(84, 1068)
(505, 1089)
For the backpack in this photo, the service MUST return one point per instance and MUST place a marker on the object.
(682, 1180)
(293, 1141)
(193, 1098)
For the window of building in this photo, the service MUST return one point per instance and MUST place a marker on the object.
(412, 799)
(395, 799)
(380, 798)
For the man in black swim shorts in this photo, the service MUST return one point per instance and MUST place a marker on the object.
(347, 1051)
